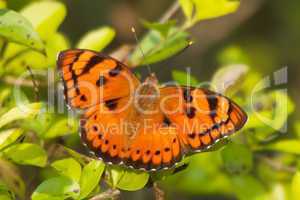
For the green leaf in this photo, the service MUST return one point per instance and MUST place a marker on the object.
(156, 48)
(228, 78)
(187, 7)
(2, 4)
(15, 28)
(295, 186)
(68, 167)
(5, 193)
(127, 179)
(184, 78)
(286, 146)
(247, 187)
(82, 159)
(269, 112)
(237, 158)
(27, 154)
(90, 177)
(57, 188)
(97, 39)
(207, 9)
(46, 16)
(62, 127)
(20, 112)
(9, 136)
(162, 28)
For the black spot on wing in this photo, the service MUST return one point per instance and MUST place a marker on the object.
(115, 71)
(187, 95)
(112, 104)
(190, 112)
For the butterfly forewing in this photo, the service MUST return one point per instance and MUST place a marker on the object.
(90, 78)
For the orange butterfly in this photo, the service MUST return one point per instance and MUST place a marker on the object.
(142, 125)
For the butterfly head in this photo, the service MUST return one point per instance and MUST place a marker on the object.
(152, 79)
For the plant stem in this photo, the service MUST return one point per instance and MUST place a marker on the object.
(108, 194)
(170, 12)
(159, 193)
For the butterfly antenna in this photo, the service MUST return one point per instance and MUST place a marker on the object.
(35, 85)
(140, 48)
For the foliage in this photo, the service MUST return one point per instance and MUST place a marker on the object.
(29, 132)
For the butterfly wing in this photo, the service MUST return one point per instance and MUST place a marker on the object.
(90, 77)
(152, 147)
(201, 116)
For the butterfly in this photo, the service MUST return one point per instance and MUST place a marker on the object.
(142, 125)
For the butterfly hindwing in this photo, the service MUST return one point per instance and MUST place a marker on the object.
(90, 77)
(202, 116)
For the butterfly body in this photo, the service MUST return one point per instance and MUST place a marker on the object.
(142, 125)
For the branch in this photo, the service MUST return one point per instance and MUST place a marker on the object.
(159, 193)
(108, 194)
(170, 12)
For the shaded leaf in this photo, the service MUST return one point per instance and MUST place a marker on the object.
(5, 193)
(20, 112)
(247, 187)
(237, 158)
(27, 154)
(90, 177)
(68, 167)
(162, 28)
(97, 39)
(57, 188)
(9, 136)
(11, 176)
(16, 28)
(184, 78)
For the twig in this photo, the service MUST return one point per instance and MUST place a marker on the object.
(108, 194)
(170, 12)
(159, 193)
(35, 84)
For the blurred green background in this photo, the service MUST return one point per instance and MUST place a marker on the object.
(264, 35)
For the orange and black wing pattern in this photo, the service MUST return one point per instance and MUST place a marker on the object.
(201, 116)
(90, 78)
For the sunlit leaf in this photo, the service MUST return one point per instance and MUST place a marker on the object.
(237, 158)
(228, 78)
(156, 48)
(287, 146)
(46, 16)
(97, 39)
(207, 9)
(187, 7)
(90, 177)
(184, 78)
(295, 186)
(127, 179)
(9, 136)
(20, 112)
(58, 188)
(62, 127)
(11, 176)
(68, 167)
(26, 154)
(16, 28)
